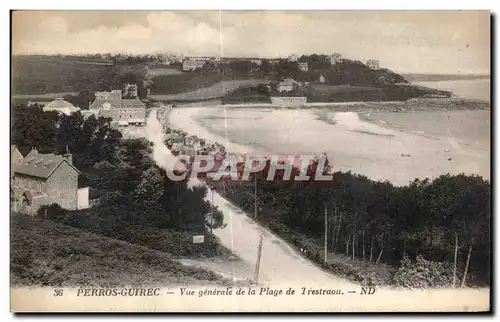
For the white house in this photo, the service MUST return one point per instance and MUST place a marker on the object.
(188, 65)
(373, 64)
(335, 58)
(257, 62)
(303, 67)
(287, 85)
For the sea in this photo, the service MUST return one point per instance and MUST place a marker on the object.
(471, 89)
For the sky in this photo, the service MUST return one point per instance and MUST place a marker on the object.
(438, 42)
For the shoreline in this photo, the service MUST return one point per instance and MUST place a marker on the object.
(415, 104)
(378, 154)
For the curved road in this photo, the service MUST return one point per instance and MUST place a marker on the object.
(280, 263)
(283, 267)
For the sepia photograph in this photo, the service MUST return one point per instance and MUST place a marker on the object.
(250, 161)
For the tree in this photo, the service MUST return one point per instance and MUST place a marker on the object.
(31, 127)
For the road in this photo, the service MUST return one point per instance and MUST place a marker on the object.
(283, 267)
(280, 263)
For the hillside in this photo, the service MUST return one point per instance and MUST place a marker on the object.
(47, 74)
(217, 90)
(35, 77)
(348, 80)
(45, 253)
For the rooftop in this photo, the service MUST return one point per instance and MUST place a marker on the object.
(40, 165)
(60, 103)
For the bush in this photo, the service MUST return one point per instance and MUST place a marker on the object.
(423, 273)
(103, 165)
(52, 212)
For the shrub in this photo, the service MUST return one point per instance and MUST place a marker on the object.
(423, 273)
(52, 212)
(103, 165)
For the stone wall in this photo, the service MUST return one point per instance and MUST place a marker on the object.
(62, 187)
(294, 101)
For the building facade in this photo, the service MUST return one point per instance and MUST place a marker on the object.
(373, 64)
(287, 85)
(123, 112)
(257, 62)
(304, 67)
(190, 65)
(335, 58)
(44, 179)
(130, 91)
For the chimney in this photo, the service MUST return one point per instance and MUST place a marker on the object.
(68, 155)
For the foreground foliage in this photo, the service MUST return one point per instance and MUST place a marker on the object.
(378, 222)
(44, 253)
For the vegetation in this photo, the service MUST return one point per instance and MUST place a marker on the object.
(91, 140)
(140, 205)
(136, 200)
(378, 222)
(254, 94)
(46, 253)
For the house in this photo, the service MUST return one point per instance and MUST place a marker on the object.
(190, 65)
(123, 112)
(61, 106)
(293, 58)
(321, 79)
(110, 96)
(303, 67)
(44, 179)
(373, 64)
(130, 91)
(287, 85)
(257, 62)
(175, 138)
(335, 58)
(187, 150)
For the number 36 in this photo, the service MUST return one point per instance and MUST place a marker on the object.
(58, 292)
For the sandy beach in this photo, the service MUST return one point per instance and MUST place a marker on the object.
(380, 149)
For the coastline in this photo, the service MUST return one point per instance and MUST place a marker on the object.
(364, 147)
(415, 104)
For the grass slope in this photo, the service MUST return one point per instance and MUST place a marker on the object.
(44, 253)
(46, 74)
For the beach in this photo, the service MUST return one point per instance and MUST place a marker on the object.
(373, 145)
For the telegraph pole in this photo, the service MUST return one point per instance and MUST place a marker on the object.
(255, 196)
(212, 188)
(257, 264)
(326, 235)
(259, 248)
